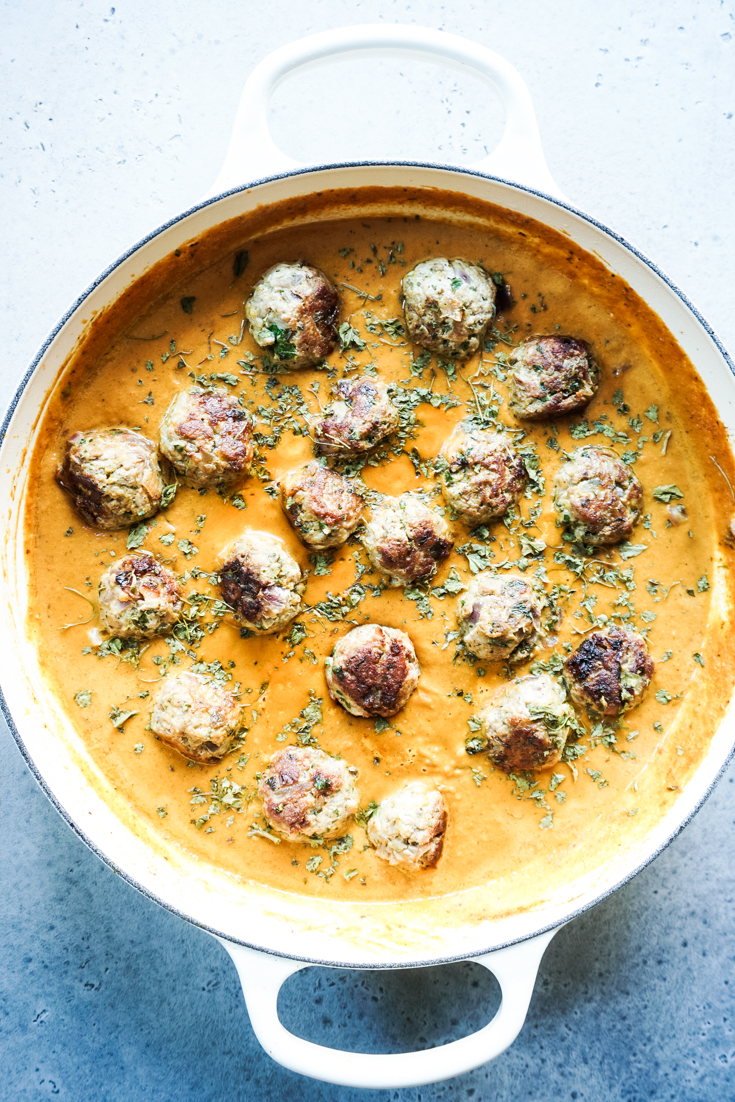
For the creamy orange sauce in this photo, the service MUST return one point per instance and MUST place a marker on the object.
(494, 833)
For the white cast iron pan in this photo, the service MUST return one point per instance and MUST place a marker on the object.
(255, 927)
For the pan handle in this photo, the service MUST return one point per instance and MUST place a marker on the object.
(262, 977)
(253, 155)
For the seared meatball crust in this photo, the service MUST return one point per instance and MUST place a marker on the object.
(499, 617)
(207, 437)
(551, 376)
(484, 475)
(138, 597)
(526, 725)
(597, 496)
(292, 312)
(307, 793)
(448, 305)
(196, 716)
(260, 582)
(373, 671)
(609, 671)
(113, 476)
(321, 505)
(408, 828)
(405, 540)
(360, 415)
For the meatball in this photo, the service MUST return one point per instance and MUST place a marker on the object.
(260, 581)
(292, 313)
(360, 415)
(138, 597)
(609, 671)
(113, 476)
(196, 716)
(408, 827)
(321, 505)
(406, 541)
(373, 671)
(484, 475)
(597, 496)
(551, 376)
(305, 792)
(448, 305)
(499, 617)
(206, 437)
(526, 725)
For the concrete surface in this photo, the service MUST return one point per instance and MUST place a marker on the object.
(114, 118)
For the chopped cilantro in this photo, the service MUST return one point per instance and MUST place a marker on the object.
(136, 535)
(297, 634)
(630, 550)
(187, 548)
(667, 493)
(168, 495)
(282, 345)
(119, 718)
(365, 814)
(322, 563)
(350, 338)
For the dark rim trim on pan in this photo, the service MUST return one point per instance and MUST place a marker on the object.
(459, 170)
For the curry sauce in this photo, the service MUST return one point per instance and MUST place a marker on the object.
(184, 324)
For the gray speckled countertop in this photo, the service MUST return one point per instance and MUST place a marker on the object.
(115, 118)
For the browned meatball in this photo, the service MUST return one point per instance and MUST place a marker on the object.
(196, 716)
(373, 671)
(321, 505)
(138, 597)
(405, 540)
(448, 305)
(610, 670)
(206, 437)
(551, 376)
(359, 417)
(499, 617)
(113, 476)
(484, 475)
(307, 793)
(292, 313)
(597, 496)
(526, 725)
(260, 581)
